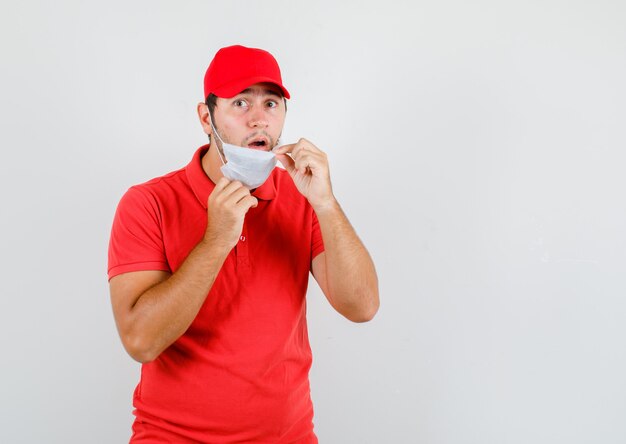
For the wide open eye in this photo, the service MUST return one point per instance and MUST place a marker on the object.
(240, 103)
(272, 104)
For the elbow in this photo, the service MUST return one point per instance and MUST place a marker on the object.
(363, 315)
(139, 349)
(365, 310)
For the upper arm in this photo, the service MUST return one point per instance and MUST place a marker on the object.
(126, 289)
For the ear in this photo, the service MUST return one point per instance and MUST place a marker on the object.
(205, 118)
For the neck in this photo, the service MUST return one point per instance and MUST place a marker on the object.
(211, 163)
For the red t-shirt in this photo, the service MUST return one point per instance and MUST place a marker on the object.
(240, 372)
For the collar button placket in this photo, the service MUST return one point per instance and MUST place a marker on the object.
(241, 249)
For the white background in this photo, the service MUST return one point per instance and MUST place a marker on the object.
(477, 147)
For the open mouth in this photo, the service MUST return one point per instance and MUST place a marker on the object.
(258, 144)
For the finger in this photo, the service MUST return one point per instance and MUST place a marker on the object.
(283, 149)
(303, 166)
(307, 159)
(221, 184)
(304, 145)
(237, 196)
(290, 148)
(231, 188)
(225, 195)
(248, 202)
(287, 162)
(218, 191)
(298, 148)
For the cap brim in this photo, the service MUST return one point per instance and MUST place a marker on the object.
(233, 88)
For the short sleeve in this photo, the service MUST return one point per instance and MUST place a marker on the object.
(317, 243)
(136, 242)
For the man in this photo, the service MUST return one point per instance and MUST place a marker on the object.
(208, 275)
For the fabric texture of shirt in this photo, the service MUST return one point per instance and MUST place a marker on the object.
(240, 371)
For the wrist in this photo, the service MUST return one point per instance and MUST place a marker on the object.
(215, 245)
(326, 206)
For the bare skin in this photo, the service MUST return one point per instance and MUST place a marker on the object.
(153, 309)
(344, 271)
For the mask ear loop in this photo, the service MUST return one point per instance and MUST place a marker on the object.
(220, 139)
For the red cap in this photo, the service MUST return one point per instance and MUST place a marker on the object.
(235, 68)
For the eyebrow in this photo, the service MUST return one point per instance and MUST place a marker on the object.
(269, 92)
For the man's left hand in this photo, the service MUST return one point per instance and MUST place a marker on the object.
(308, 167)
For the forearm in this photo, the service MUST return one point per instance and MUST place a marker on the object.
(165, 311)
(351, 280)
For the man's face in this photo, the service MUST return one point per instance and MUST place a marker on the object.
(254, 118)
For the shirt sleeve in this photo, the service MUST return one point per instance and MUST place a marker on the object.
(136, 242)
(317, 243)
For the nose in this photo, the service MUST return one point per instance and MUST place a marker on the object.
(257, 118)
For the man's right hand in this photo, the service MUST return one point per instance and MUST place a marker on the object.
(227, 207)
(154, 308)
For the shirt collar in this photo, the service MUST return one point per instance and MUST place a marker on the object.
(202, 186)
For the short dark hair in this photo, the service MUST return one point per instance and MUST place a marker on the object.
(211, 103)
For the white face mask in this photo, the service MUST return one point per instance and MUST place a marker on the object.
(248, 166)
